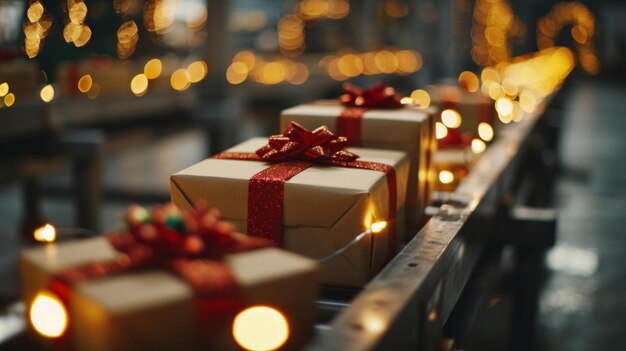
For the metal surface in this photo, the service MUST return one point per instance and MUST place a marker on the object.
(406, 305)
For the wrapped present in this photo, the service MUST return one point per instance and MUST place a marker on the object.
(375, 118)
(472, 115)
(170, 281)
(451, 166)
(307, 193)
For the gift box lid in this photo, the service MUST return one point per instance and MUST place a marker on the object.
(318, 196)
(406, 126)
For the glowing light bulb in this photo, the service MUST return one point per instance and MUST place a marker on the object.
(45, 234)
(84, 83)
(197, 71)
(9, 100)
(180, 79)
(504, 106)
(421, 98)
(260, 328)
(451, 118)
(153, 68)
(139, 84)
(47, 93)
(48, 315)
(378, 227)
(441, 131)
(478, 146)
(4, 89)
(446, 177)
(469, 81)
(485, 131)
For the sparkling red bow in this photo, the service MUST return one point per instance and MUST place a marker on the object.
(298, 144)
(169, 234)
(378, 96)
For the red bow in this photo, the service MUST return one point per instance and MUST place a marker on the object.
(378, 96)
(298, 144)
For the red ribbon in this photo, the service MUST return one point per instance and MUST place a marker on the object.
(358, 102)
(292, 152)
(190, 246)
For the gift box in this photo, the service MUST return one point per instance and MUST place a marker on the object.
(317, 209)
(470, 110)
(380, 122)
(154, 289)
(451, 166)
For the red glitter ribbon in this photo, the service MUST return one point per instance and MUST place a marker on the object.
(194, 255)
(358, 102)
(292, 152)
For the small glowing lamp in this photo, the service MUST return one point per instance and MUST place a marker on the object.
(478, 146)
(47, 93)
(260, 328)
(451, 118)
(45, 234)
(446, 177)
(504, 106)
(9, 99)
(378, 227)
(485, 131)
(84, 83)
(4, 89)
(441, 131)
(48, 315)
(153, 68)
(139, 84)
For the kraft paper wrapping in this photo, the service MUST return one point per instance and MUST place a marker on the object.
(473, 107)
(324, 207)
(407, 129)
(154, 310)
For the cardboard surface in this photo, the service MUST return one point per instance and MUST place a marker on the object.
(324, 207)
(407, 129)
(154, 310)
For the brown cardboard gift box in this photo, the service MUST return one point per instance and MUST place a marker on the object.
(325, 207)
(474, 108)
(409, 129)
(155, 310)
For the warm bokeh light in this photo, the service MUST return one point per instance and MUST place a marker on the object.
(451, 118)
(153, 68)
(504, 106)
(197, 71)
(45, 234)
(139, 84)
(48, 315)
(4, 89)
(478, 146)
(35, 11)
(378, 227)
(469, 81)
(582, 22)
(441, 131)
(446, 177)
(47, 93)
(9, 100)
(421, 98)
(260, 328)
(84, 83)
(180, 79)
(485, 131)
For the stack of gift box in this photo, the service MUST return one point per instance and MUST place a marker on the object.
(349, 173)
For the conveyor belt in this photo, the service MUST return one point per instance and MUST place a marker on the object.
(406, 305)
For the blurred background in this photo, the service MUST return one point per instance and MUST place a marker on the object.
(101, 100)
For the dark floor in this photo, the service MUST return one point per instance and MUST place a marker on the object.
(583, 303)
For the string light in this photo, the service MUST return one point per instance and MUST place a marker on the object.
(47, 93)
(45, 234)
(451, 118)
(47, 315)
(260, 328)
(374, 228)
(446, 177)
